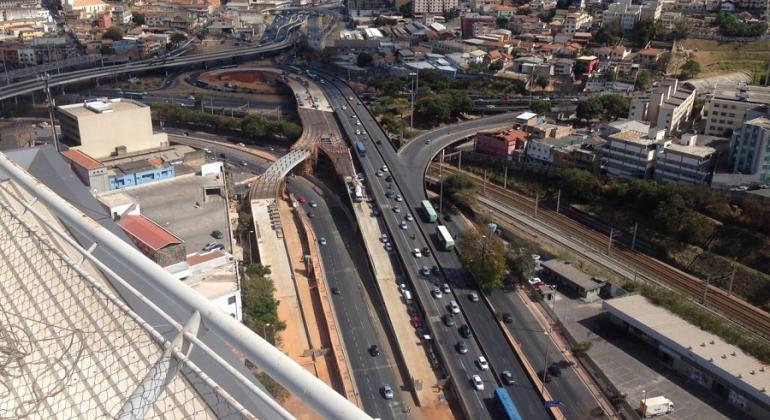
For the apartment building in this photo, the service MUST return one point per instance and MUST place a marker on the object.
(749, 4)
(684, 161)
(665, 107)
(651, 10)
(631, 154)
(669, 19)
(433, 6)
(751, 149)
(625, 12)
(503, 144)
(576, 21)
(725, 109)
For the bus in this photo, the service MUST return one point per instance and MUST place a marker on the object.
(444, 238)
(134, 95)
(430, 214)
(360, 148)
(502, 396)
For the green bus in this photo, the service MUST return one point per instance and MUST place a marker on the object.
(430, 214)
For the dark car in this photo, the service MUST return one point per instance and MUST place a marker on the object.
(374, 350)
(336, 291)
(547, 376)
(426, 251)
(465, 331)
(216, 234)
(389, 178)
(507, 378)
(554, 370)
(462, 348)
(449, 321)
(435, 270)
(507, 318)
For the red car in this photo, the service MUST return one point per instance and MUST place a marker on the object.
(416, 321)
(302, 199)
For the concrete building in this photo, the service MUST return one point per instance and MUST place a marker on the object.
(502, 144)
(543, 150)
(726, 106)
(631, 154)
(704, 358)
(751, 149)
(669, 19)
(473, 24)
(585, 286)
(685, 161)
(109, 127)
(433, 6)
(90, 171)
(665, 107)
(625, 12)
(576, 21)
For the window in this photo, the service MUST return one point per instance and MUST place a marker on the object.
(716, 105)
(231, 300)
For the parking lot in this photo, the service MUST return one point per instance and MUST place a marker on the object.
(178, 206)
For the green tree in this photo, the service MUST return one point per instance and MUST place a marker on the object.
(177, 38)
(406, 9)
(542, 80)
(524, 11)
(610, 75)
(521, 265)
(614, 106)
(689, 69)
(114, 33)
(581, 349)
(579, 185)
(433, 109)
(588, 109)
(540, 106)
(460, 190)
(364, 60)
(580, 68)
(260, 308)
(495, 66)
(643, 80)
(610, 33)
(643, 32)
(484, 257)
(502, 22)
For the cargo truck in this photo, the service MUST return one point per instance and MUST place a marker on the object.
(656, 406)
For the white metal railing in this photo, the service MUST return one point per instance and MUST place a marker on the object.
(323, 399)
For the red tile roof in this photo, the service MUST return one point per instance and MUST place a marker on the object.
(82, 159)
(148, 232)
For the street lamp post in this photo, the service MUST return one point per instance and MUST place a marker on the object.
(545, 364)
(45, 77)
(415, 86)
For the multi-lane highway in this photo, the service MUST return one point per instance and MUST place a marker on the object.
(475, 314)
(357, 319)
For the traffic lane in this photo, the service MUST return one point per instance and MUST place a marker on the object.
(235, 157)
(460, 371)
(278, 150)
(356, 325)
(577, 400)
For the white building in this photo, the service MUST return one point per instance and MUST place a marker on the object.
(84, 6)
(666, 106)
(725, 108)
(631, 154)
(624, 11)
(576, 21)
(433, 6)
(669, 19)
(684, 161)
(751, 149)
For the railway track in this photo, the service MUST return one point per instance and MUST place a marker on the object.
(735, 309)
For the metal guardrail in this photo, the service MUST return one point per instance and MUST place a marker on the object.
(199, 310)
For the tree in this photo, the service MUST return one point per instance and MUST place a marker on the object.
(460, 190)
(610, 75)
(614, 106)
(114, 33)
(137, 18)
(579, 185)
(502, 22)
(580, 68)
(643, 80)
(588, 109)
(433, 109)
(643, 32)
(581, 349)
(540, 106)
(689, 69)
(364, 60)
(524, 11)
(177, 38)
(496, 66)
(610, 33)
(406, 9)
(484, 257)
(542, 80)
(521, 265)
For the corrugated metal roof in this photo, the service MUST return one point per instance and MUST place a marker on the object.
(148, 232)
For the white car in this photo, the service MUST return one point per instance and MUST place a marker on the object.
(397, 209)
(358, 122)
(445, 288)
(358, 132)
(384, 238)
(399, 198)
(482, 362)
(380, 173)
(404, 226)
(409, 218)
(417, 253)
(384, 168)
(535, 280)
(454, 307)
(241, 145)
(322, 241)
(436, 292)
(478, 384)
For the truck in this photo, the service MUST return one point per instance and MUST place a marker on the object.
(655, 406)
(360, 148)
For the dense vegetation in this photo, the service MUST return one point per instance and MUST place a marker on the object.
(608, 106)
(731, 25)
(260, 308)
(252, 127)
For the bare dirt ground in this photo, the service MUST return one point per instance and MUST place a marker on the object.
(253, 80)
(717, 58)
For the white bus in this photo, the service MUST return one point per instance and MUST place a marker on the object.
(444, 238)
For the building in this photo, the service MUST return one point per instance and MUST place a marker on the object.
(577, 21)
(751, 149)
(585, 286)
(623, 11)
(473, 24)
(610, 128)
(109, 127)
(631, 154)
(684, 161)
(703, 358)
(669, 19)
(651, 10)
(665, 107)
(139, 172)
(502, 143)
(86, 7)
(433, 6)
(161, 246)
(543, 150)
(725, 108)
(90, 171)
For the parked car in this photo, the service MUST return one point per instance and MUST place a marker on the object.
(216, 234)
(212, 246)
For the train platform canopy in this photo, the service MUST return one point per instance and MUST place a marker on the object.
(682, 340)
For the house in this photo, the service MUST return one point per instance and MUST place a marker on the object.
(649, 56)
(526, 64)
(501, 143)
(576, 21)
(563, 66)
(618, 53)
(158, 244)
(591, 60)
(584, 285)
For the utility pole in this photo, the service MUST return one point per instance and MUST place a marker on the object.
(545, 362)
(558, 200)
(706, 289)
(732, 278)
(485, 181)
(441, 184)
(46, 78)
(505, 178)
(609, 244)
(460, 161)
(415, 83)
(537, 202)
(633, 240)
